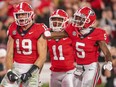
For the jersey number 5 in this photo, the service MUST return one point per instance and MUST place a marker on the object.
(81, 52)
(26, 46)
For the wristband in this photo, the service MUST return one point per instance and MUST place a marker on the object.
(33, 68)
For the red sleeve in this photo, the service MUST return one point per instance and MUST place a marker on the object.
(102, 36)
(44, 26)
(68, 29)
(11, 30)
(40, 29)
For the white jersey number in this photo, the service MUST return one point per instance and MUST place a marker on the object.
(81, 52)
(60, 52)
(26, 45)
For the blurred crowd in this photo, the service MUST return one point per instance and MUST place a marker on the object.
(104, 9)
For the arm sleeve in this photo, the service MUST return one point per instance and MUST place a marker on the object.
(11, 30)
(41, 29)
(68, 29)
(103, 36)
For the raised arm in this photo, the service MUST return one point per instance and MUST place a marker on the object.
(55, 35)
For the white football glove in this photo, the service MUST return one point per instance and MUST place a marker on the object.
(108, 66)
(47, 33)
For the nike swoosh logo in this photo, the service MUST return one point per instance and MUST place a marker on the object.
(89, 37)
(30, 32)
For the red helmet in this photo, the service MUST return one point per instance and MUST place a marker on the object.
(23, 14)
(58, 20)
(84, 17)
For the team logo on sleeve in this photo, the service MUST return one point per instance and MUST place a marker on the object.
(74, 33)
(14, 32)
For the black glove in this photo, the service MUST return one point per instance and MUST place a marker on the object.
(26, 76)
(12, 76)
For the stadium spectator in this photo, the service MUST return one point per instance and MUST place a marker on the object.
(3, 36)
(107, 18)
(2, 63)
(4, 17)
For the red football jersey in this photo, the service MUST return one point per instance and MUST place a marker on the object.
(86, 47)
(25, 45)
(61, 54)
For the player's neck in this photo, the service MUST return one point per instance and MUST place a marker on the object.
(26, 27)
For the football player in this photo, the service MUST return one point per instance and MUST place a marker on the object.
(61, 52)
(26, 49)
(86, 41)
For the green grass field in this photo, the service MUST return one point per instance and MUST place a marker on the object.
(47, 85)
(102, 85)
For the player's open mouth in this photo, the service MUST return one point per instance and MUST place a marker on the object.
(21, 20)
